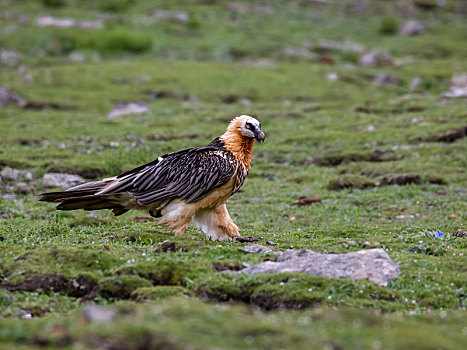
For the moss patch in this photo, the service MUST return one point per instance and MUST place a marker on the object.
(350, 182)
(158, 293)
(121, 287)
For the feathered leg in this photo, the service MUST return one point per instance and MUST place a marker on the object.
(176, 216)
(216, 223)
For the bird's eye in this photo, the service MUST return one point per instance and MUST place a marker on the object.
(247, 126)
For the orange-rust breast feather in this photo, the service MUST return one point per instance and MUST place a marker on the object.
(240, 145)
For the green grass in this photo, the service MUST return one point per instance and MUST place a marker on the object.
(322, 136)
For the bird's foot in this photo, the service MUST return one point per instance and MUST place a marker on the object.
(243, 239)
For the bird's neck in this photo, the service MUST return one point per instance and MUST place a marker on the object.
(240, 146)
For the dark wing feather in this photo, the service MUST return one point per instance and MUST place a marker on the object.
(190, 174)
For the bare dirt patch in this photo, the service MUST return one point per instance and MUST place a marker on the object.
(375, 156)
(39, 106)
(401, 180)
(32, 281)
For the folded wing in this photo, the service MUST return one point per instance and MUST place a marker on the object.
(189, 174)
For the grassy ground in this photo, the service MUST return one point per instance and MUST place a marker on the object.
(322, 135)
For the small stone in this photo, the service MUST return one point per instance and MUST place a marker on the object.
(10, 58)
(63, 181)
(411, 27)
(298, 52)
(8, 98)
(346, 46)
(460, 233)
(50, 21)
(262, 62)
(28, 79)
(244, 101)
(9, 196)
(77, 57)
(257, 248)
(122, 109)
(332, 76)
(98, 314)
(458, 86)
(21, 187)
(90, 24)
(386, 79)
(375, 58)
(176, 16)
(11, 174)
(415, 83)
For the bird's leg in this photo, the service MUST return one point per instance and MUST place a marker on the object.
(176, 216)
(180, 230)
(216, 223)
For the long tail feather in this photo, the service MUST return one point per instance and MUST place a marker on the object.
(88, 203)
(84, 197)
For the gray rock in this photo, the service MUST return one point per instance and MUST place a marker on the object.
(375, 58)
(10, 98)
(332, 76)
(415, 83)
(261, 62)
(90, 24)
(63, 181)
(374, 264)
(10, 196)
(9, 57)
(458, 86)
(50, 21)
(176, 16)
(11, 174)
(298, 52)
(348, 46)
(21, 187)
(386, 79)
(77, 57)
(122, 109)
(98, 314)
(258, 248)
(412, 27)
(244, 101)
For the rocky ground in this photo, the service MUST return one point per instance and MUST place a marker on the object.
(364, 105)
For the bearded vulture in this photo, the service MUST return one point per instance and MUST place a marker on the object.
(193, 182)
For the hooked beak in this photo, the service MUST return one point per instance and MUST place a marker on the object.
(260, 136)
